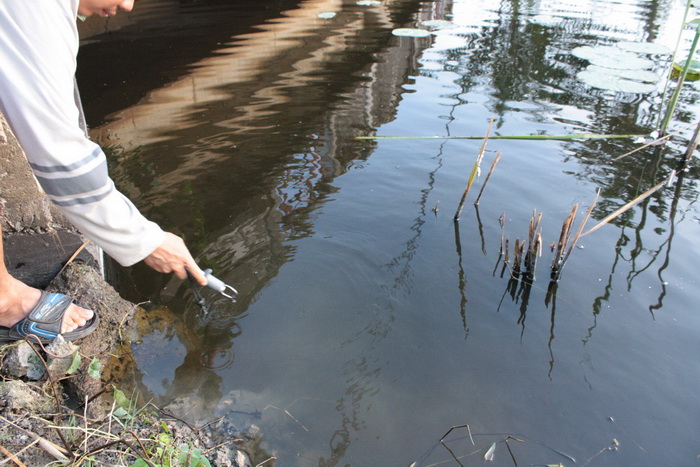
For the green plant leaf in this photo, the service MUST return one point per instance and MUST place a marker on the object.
(95, 369)
(693, 23)
(196, 458)
(139, 463)
(77, 359)
(120, 399)
(120, 412)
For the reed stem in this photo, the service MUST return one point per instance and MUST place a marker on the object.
(679, 86)
(475, 171)
(488, 176)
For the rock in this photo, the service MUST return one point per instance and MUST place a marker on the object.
(85, 284)
(20, 397)
(23, 362)
(28, 208)
(61, 357)
(242, 459)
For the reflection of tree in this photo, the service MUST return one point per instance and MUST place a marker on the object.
(363, 370)
(523, 61)
(636, 249)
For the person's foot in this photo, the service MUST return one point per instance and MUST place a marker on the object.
(17, 299)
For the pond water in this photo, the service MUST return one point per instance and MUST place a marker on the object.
(369, 322)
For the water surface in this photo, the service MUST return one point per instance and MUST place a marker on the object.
(369, 322)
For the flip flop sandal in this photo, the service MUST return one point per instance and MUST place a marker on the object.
(45, 319)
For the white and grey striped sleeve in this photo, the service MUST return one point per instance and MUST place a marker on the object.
(38, 48)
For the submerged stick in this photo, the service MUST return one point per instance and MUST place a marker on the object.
(502, 221)
(488, 176)
(474, 173)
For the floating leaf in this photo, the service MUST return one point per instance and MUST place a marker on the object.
(489, 454)
(649, 48)
(643, 76)
(410, 32)
(438, 24)
(326, 15)
(611, 82)
(611, 57)
(693, 70)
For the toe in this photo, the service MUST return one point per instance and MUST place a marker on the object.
(75, 317)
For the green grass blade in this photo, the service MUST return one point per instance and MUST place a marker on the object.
(572, 136)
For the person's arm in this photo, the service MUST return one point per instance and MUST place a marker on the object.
(38, 48)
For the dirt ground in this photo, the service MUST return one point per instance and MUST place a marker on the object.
(60, 404)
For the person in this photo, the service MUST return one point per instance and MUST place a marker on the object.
(38, 52)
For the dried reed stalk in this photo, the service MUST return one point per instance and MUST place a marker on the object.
(488, 176)
(653, 143)
(518, 251)
(563, 241)
(475, 171)
(51, 448)
(10, 456)
(534, 243)
(627, 206)
(580, 228)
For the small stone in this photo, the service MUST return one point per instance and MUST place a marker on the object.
(61, 359)
(21, 397)
(242, 459)
(22, 362)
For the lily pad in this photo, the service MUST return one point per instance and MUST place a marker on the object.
(611, 57)
(410, 32)
(611, 82)
(438, 24)
(643, 76)
(693, 70)
(326, 15)
(649, 48)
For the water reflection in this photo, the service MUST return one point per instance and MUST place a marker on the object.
(211, 143)
(242, 151)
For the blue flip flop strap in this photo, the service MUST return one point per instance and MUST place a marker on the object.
(46, 317)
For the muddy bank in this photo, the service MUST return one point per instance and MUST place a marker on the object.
(64, 402)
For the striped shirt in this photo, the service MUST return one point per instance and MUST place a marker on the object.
(38, 49)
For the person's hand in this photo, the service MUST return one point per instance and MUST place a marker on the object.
(173, 256)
